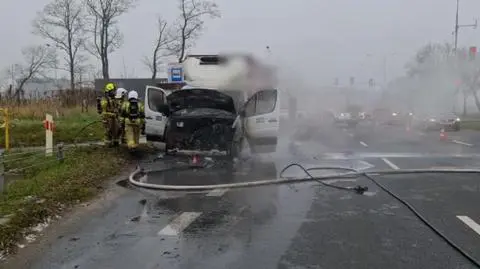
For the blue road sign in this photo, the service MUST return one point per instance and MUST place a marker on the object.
(176, 74)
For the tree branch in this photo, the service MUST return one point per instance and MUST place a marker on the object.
(103, 15)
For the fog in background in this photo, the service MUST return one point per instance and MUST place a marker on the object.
(311, 41)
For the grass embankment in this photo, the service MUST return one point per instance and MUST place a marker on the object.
(471, 125)
(26, 126)
(45, 190)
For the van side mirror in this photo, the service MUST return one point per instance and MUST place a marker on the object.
(164, 109)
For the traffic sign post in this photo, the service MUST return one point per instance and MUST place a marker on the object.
(175, 73)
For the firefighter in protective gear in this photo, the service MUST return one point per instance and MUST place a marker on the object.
(120, 98)
(133, 114)
(109, 110)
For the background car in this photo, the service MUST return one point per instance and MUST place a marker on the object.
(446, 121)
(346, 118)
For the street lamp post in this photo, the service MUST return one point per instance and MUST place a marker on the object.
(457, 27)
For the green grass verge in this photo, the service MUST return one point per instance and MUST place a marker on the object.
(44, 190)
(470, 125)
(29, 132)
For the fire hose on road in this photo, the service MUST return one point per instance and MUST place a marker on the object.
(351, 173)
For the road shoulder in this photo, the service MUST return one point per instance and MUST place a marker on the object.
(71, 221)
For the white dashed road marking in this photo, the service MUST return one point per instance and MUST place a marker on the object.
(217, 192)
(389, 163)
(470, 223)
(364, 144)
(179, 223)
(462, 143)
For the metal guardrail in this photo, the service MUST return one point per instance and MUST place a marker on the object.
(24, 156)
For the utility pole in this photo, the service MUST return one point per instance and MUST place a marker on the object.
(385, 71)
(457, 27)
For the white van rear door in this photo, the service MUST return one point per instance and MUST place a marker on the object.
(155, 121)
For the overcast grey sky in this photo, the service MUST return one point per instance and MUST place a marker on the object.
(319, 39)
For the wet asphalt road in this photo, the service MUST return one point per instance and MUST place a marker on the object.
(296, 226)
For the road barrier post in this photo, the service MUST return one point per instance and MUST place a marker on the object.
(60, 154)
(49, 128)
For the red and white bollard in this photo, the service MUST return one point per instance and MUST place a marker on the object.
(49, 126)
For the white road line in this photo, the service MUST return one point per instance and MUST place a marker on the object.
(470, 223)
(462, 143)
(216, 192)
(179, 223)
(350, 134)
(364, 144)
(392, 165)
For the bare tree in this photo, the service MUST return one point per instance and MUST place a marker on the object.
(61, 21)
(164, 38)
(190, 24)
(38, 59)
(103, 26)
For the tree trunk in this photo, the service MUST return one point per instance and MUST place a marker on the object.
(105, 67)
(104, 49)
(72, 77)
(183, 43)
(154, 70)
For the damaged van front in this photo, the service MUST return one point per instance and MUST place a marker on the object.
(199, 120)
